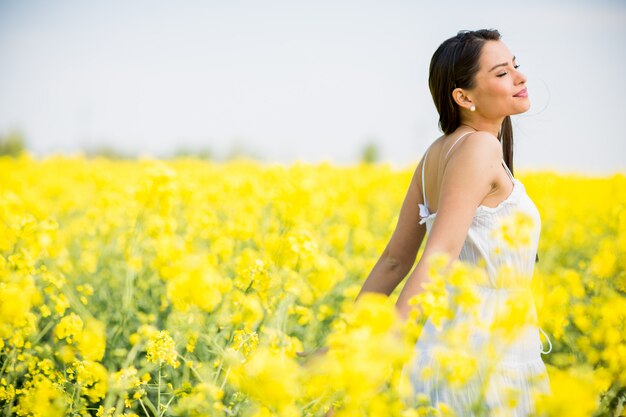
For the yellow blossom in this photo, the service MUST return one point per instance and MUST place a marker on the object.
(569, 387)
(41, 397)
(92, 378)
(246, 341)
(515, 230)
(268, 377)
(92, 340)
(161, 348)
(69, 328)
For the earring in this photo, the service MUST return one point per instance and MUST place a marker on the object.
(473, 108)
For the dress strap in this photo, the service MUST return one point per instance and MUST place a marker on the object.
(455, 142)
(549, 342)
(507, 169)
(423, 189)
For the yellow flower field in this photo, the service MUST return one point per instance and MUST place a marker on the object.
(186, 288)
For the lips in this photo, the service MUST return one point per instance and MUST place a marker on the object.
(523, 93)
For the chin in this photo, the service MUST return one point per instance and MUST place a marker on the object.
(523, 109)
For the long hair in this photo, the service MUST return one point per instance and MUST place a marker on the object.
(454, 65)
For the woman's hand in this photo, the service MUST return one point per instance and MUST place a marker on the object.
(319, 352)
(316, 353)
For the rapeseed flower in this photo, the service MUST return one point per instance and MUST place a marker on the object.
(515, 231)
(245, 341)
(91, 341)
(574, 393)
(161, 348)
(92, 378)
(70, 328)
(198, 285)
(271, 378)
(42, 398)
(221, 254)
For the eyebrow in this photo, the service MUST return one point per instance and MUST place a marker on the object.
(500, 65)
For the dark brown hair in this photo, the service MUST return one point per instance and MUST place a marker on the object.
(454, 65)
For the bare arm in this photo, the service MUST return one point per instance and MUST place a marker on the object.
(468, 177)
(399, 254)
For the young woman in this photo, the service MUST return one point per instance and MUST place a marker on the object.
(461, 189)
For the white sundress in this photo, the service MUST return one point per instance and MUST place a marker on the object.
(517, 371)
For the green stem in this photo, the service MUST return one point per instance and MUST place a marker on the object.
(4, 365)
(151, 407)
(118, 406)
(225, 378)
(43, 332)
(312, 403)
(9, 407)
(159, 393)
(217, 374)
(75, 303)
(144, 408)
(131, 355)
(168, 404)
(193, 370)
(72, 402)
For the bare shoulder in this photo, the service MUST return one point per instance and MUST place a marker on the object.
(477, 156)
(478, 144)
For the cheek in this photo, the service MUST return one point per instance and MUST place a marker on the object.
(492, 94)
(497, 88)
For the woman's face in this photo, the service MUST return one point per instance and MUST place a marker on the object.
(498, 91)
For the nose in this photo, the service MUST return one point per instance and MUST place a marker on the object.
(521, 78)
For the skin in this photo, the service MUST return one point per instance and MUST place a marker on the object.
(472, 175)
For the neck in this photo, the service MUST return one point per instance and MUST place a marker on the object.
(476, 123)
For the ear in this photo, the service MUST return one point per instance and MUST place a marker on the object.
(460, 97)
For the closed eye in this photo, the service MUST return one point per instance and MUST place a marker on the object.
(505, 73)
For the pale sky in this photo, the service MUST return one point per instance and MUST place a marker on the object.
(295, 80)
